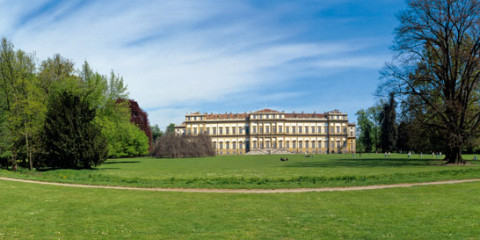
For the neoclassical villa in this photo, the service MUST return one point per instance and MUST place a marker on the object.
(272, 132)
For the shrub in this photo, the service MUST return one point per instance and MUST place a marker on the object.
(173, 146)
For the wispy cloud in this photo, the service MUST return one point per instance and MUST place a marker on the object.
(182, 53)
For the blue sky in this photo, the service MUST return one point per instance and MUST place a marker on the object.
(218, 56)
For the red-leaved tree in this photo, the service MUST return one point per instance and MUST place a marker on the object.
(139, 118)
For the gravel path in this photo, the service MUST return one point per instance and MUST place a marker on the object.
(284, 190)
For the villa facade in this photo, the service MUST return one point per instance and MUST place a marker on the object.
(272, 132)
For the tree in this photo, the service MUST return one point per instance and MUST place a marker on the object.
(170, 128)
(388, 136)
(156, 132)
(373, 113)
(438, 42)
(365, 128)
(71, 139)
(173, 146)
(139, 118)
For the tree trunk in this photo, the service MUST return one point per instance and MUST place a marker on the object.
(454, 156)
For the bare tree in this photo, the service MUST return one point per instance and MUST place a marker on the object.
(438, 45)
(183, 146)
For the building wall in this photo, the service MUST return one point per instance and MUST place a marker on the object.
(234, 134)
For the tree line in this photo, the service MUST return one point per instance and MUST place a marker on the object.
(53, 115)
(435, 77)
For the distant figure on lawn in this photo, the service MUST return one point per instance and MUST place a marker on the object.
(283, 159)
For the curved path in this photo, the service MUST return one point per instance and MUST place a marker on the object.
(283, 190)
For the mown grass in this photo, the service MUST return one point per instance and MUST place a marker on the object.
(265, 171)
(31, 211)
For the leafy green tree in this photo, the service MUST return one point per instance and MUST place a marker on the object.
(53, 72)
(170, 128)
(365, 129)
(23, 106)
(71, 139)
(156, 132)
(373, 114)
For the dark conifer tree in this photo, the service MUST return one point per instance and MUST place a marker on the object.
(389, 134)
(71, 139)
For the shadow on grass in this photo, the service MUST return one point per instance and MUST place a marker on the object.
(366, 162)
(115, 162)
(75, 169)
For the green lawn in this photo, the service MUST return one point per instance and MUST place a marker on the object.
(31, 211)
(265, 171)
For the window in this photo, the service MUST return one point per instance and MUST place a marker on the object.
(240, 130)
(294, 144)
(267, 129)
(332, 130)
(306, 144)
(220, 145)
(280, 145)
(195, 131)
(188, 118)
(195, 118)
(287, 128)
(254, 145)
(214, 130)
(338, 129)
(261, 129)
(344, 130)
(234, 145)
(326, 144)
(280, 129)
(227, 130)
(254, 130)
(293, 129)
(288, 144)
(240, 145)
(299, 129)
(313, 144)
(300, 144)
(227, 145)
(338, 144)
(332, 144)
(306, 129)
(207, 131)
(189, 131)
(268, 143)
(261, 145)
(319, 129)
(234, 130)
(313, 129)
(220, 130)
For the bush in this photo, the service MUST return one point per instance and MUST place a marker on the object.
(173, 146)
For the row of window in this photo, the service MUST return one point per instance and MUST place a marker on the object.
(267, 130)
(300, 129)
(311, 144)
(227, 145)
(263, 145)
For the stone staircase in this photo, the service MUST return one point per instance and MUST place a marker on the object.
(268, 151)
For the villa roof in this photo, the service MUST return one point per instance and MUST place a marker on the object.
(226, 116)
(304, 115)
(266, 110)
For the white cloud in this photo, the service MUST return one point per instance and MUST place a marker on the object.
(174, 52)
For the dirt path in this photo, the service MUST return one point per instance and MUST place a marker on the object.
(284, 190)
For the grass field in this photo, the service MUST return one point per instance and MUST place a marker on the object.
(265, 171)
(31, 211)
